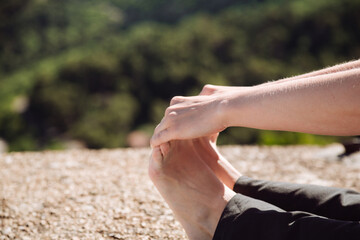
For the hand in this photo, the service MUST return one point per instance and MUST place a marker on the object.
(193, 117)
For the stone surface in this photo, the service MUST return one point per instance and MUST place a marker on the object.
(106, 194)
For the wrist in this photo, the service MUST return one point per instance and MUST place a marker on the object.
(236, 107)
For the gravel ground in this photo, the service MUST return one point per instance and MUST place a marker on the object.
(106, 194)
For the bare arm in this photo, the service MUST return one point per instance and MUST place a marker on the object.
(334, 69)
(326, 104)
(323, 102)
(211, 89)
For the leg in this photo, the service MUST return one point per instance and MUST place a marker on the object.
(190, 188)
(247, 218)
(330, 202)
(335, 203)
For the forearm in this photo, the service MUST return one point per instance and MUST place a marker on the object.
(334, 69)
(325, 104)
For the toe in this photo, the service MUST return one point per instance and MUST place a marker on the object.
(165, 148)
(155, 164)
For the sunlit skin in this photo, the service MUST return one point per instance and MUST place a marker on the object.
(207, 151)
(189, 186)
(322, 102)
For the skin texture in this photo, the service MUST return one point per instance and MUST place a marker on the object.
(206, 150)
(334, 69)
(322, 102)
(209, 154)
(193, 192)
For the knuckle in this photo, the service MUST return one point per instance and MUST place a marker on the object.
(172, 118)
(208, 86)
(168, 111)
(173, 114)
(207, 89)
(176, 99)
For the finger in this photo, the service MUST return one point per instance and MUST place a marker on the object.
(161, 132)
(156, 155)
(176, 100)
(161, 126)
(207, 90)
(183, 102)
(169, 110)
(160, 138)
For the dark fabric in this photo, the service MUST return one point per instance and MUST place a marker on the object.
(330, 202)
(283, 211)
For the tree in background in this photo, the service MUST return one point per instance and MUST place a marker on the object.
(94, 71)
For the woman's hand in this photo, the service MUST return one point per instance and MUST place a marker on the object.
(193, 117)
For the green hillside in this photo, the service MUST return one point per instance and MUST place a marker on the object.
(94, 71)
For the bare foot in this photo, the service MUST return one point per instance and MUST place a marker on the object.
(206, 149)
(188, 185)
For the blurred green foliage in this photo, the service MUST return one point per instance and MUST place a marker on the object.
(94, 71)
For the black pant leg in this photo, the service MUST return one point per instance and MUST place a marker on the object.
(330, 202)
(245, 218)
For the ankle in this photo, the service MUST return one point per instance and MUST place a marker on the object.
(208, 221)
